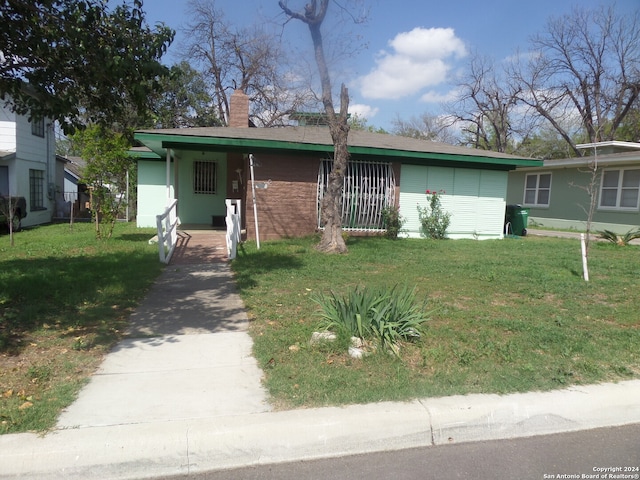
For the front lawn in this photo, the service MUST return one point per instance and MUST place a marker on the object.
(65, 299)
(507, 316)
(510, 315)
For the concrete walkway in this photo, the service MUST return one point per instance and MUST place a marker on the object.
(183, 394)
(573, 235)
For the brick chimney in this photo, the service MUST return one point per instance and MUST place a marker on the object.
(239, 109)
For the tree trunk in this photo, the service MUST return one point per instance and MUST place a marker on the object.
(332, 241)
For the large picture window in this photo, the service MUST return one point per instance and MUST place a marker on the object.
(537, 189)
(204, 178)
(36, 190)
(368, 189)
(620, 189)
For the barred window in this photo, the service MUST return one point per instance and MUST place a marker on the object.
(204, 177)
(36, 190)
(368, 188)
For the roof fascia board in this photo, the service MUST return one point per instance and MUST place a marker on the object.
(611, 143)
(585, 164)
(145, 155)
(447, 157)
(204, 143)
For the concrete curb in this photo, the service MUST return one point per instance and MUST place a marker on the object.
(205, 444)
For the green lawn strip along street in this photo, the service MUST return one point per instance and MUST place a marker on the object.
(504, 316)
(509, 315)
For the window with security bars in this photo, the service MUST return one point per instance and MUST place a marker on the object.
(204, 177)
(36, 190)
(368, 188)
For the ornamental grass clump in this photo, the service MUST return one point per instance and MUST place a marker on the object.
(382, 316)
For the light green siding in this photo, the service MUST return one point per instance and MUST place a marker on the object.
(196, 208)
(568, 202)
(152, 192)
(192, 208)
(474, 198)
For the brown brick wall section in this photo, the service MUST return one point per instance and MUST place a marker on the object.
(287, 207)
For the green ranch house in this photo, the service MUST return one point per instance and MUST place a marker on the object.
(203, 167)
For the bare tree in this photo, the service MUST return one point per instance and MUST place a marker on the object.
(434, 128)
(591, 188)
(487, 108)
(248, 58)
(313, 16)
(10, 210)
(585, 65)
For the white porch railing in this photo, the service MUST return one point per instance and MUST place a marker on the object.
(167, 231)
(234, 222)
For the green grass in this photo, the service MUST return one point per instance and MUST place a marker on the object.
(65, 299)
(511, 315)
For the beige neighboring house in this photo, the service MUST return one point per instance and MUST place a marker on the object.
(28, 166)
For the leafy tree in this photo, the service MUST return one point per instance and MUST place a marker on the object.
(185, 101)
(106, 174)
(629, 130)
(314, 14)
(585, 66)
(545, 144)
(78, 62)
(358, 122)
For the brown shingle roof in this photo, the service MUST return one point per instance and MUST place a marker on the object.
(321, 136)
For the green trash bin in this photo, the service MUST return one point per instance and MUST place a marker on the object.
(516, 220)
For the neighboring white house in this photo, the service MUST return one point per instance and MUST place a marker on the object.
(28, 164)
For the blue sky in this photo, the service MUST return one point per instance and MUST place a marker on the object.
(415, 47)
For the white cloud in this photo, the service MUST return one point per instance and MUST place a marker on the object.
(363, 111)
(436, 97)
(428, 43)
(522, 57)
(419, 59)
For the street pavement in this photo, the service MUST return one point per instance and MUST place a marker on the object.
(183, 394)
(599, 453)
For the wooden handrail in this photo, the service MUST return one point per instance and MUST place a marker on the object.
(167, 224)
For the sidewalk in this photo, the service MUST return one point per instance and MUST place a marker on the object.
(183, 394)
(574, 235)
